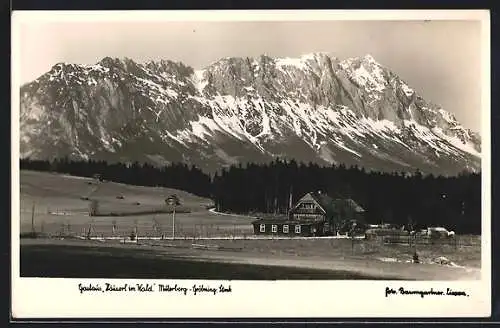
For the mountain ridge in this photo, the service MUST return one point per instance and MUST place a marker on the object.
(315, 108)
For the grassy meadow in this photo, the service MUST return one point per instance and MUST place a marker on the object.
(62, 203)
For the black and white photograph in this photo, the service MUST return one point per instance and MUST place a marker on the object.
(191, 153)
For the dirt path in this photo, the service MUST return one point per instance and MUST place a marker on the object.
(213, 211)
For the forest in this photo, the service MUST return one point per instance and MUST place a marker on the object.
(398, 198)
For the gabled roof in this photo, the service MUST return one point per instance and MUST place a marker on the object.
(349, 204)
(310, 197)
(325, 201)
(330, 205)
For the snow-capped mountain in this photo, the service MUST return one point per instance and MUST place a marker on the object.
(315, 108)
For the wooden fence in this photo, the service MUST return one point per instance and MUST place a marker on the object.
(455, 241)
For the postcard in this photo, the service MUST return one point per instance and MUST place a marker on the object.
(238, 164)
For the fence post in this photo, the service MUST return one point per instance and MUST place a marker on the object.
(352, 244)
(136, 231)
(33, 218)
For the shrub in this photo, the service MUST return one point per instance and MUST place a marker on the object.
(415, 258)
(94, 208)
(29, 235)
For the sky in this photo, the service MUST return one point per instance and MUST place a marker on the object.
(441, 60)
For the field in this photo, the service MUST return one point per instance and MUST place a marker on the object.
(231, 259)
(61, 208)
(208, 245)
(98, 261)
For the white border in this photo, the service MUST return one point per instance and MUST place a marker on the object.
(45, 298)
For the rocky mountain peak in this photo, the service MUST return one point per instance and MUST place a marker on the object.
(314, 107)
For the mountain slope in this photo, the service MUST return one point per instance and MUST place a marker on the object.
(314, 108)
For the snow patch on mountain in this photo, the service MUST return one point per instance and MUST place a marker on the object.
(407, 90)
(380, 125)
(202, 128)
(199, 81)
(366, 73)
(467, 147)
(153, 87)
(448, 117)
(343, 146)
(371, 81)
(299, 63)
(178, 138)
(99, 68)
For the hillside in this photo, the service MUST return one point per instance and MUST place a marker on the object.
(61, 206)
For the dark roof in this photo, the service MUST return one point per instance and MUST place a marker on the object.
(324, 201)
(351, 204)
(335, 205)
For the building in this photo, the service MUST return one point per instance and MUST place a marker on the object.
(284, 227)
(315, 214)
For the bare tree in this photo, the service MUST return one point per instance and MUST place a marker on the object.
(33, 219)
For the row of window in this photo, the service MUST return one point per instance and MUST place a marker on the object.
(274, 228)
(307, 206)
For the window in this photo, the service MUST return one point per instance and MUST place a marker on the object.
(262, 228)
(285, 228)
(274, 228)
(297, 229)
(307, 205)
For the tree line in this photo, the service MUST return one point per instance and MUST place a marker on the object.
(398, 198)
